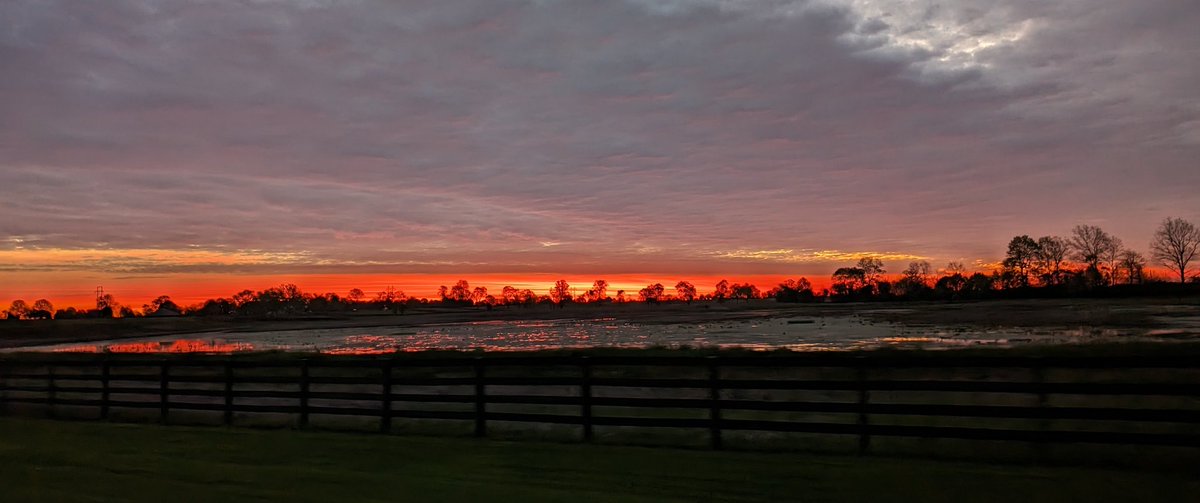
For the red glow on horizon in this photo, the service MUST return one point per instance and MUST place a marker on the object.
(176, 346)
(194, 289)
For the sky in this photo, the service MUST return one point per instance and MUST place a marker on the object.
(195, 148)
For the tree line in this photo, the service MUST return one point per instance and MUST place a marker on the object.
(1089, 261)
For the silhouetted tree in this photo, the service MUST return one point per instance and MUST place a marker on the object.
(1051, 254)
(461, 291)
(356, 295)
(721, 291)
(950, 287)
(1132, 266)
(42, 310)
(685, 291)
(509, 294)
(393, 300)
(1019, 261)
(793, 290)
(43, 305)
(216, 307)
(744, 292)
(159, 303)
(914, 282)
(528, 297)
(325, 303)
(599, 291)
(106, 305)
(1090, 244)
(1112, 257)
(652, 293)
(561, 292)
(69, 313)
(872, 269)
(848, 281)
(1175, 245)
(242, 298)
(979, 285)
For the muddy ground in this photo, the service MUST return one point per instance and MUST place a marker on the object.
(1170, 317)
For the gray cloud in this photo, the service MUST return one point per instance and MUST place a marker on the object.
(640, 136)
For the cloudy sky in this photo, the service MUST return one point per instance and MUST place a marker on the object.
(178, 143)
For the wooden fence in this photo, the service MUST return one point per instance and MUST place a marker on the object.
(1134, 401)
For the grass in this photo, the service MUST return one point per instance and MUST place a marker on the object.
(43, 460)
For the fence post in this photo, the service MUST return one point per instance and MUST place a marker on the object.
(480, 399)
(385, 413)
(105, 372)
(304, 392)
(228, 392)
(585, 396)
(51, 389)
(714, 397)
(864, 397)
(163, 383)
(7, 371)
(1042, 448)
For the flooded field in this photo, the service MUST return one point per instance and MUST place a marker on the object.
(865, 330)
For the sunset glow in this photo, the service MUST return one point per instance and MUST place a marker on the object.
(199, 149)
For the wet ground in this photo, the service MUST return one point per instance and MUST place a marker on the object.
(764, 327)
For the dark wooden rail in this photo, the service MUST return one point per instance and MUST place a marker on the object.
(705, 385)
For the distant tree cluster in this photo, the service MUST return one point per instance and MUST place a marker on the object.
(1089, 261)
(42, 309)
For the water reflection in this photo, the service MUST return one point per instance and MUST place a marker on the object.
(175, 346)
(811, 334)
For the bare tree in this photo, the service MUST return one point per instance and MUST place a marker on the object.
(919, 272)
(1090, 244)
(872, 269)
(955, 268)
(1051, 254)
(1175, 245)
(1111, 255)
(1132, 265)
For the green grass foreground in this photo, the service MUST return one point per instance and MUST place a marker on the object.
(42, 460)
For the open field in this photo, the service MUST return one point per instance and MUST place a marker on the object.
(825, 326)
(68, 461)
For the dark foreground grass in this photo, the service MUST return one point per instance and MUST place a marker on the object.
(43, 460)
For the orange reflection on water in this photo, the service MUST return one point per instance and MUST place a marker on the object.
(177, 346)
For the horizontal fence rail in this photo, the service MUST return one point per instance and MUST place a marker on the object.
(1134, 401)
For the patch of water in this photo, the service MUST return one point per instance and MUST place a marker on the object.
(807, 334)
